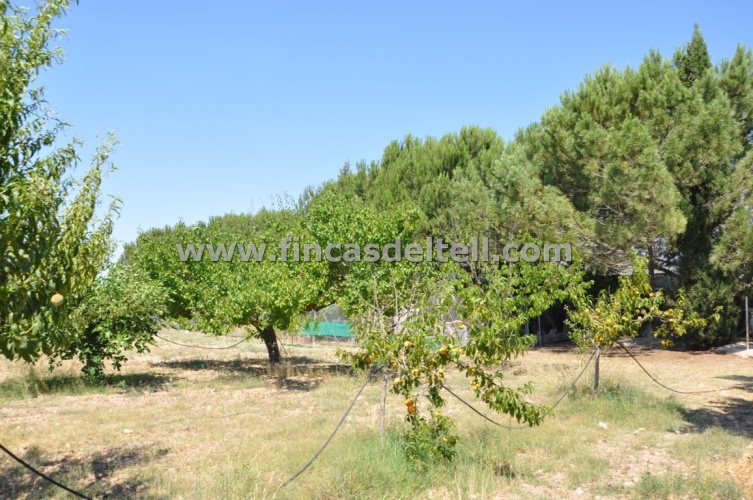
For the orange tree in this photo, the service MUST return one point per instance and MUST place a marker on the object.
(418, 319)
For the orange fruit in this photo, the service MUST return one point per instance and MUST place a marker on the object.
(411, 410)
(443, 351)
(409, 402)
(57, 299)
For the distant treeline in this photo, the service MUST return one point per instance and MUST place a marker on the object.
(656, 158)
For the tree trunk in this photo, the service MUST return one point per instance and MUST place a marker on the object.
(652, 281)
(382, 407)
(596, 369)
(270, 340)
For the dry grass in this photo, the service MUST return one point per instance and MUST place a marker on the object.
(188, 423)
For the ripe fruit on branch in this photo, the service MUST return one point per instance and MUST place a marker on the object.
(57, 300)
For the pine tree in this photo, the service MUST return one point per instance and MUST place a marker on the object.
(737, 82)
(693, 60)
(653, 158)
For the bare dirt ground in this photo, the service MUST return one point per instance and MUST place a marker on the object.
(723, 399)
(167, 420)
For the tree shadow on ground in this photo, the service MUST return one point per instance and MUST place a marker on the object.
(562, 346)
(88, 475)
(140, 382)
(31, 386)
(299, 373)
(733, 414)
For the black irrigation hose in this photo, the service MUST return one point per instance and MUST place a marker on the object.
(570, 388)
(201, 346)
(654, 379)
(42, 475)
(567, 391)
(342, 420)
(216, 348)
(466, 403)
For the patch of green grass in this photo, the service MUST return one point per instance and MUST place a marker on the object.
(699, 486)
(621, 404)
(714, 441)
(32, 385)
(588, 468)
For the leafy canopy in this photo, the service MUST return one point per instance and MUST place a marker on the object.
(51, 241)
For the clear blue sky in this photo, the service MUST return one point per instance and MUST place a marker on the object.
(221, 105)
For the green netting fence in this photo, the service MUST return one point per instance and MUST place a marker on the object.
(327, 329)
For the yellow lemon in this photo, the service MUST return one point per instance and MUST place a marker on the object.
(57, 299)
